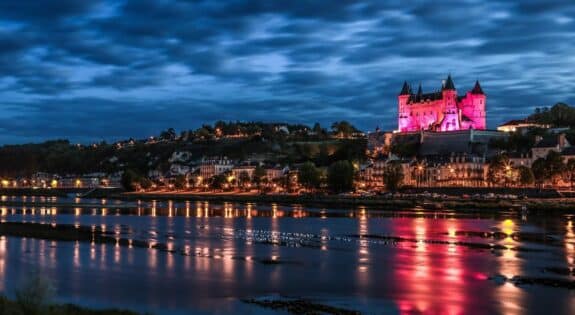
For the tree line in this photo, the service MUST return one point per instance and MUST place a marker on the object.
(548, 170)
(559, 115)
(271, 131)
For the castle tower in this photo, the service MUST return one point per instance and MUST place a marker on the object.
(403, 110)
(478, 99)
(451, 115)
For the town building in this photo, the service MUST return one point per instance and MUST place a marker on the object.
(44, 180)
(247, 169)
(461, 170)
(441, 110)
(214, 166)
(546, 144)
(275, 172)
(372, 173)
(517, 159)
(85, 181)
(457, 169)
(521, 126)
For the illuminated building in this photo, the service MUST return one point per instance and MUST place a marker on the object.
(441, 110)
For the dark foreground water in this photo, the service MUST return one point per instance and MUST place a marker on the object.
(378, 262)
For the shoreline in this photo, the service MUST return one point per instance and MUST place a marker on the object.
(450, 203)
(542, 203)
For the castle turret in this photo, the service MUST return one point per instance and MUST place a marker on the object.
(451, 120)
(406, 89)
(477, 88)
(477, 111)
(419, 93)
(448, 84)
(403, 98)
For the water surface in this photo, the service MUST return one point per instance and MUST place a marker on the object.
(401, 262)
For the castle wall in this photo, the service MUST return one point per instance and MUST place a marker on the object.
(421, 115)
(473, 107)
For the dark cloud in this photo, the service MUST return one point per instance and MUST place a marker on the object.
(114, 69)
(43, 10)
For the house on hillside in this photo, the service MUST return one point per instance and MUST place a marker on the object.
(544, 145)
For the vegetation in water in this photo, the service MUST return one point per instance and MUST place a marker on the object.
(35, 297)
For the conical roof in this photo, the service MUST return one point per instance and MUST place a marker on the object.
(405, 90)
(449, 84)
(419, 93)
(477, 88)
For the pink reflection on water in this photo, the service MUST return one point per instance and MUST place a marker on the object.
(430, 278)
(3, 258)
(570, 243)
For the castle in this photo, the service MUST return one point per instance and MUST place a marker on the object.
(441, 110)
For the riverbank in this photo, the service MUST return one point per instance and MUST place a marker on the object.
(548, 202)
(101, 192)
(380, 202)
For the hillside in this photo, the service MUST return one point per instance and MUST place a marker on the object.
(274, 143)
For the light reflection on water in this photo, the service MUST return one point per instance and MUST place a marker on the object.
(3, 261)
(309, 252)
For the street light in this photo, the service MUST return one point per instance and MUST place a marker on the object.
(419, 173)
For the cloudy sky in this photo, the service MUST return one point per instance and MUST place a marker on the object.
(91, 70)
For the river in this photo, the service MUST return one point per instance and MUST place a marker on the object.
(376, 262)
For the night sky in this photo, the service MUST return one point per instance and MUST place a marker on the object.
(92, 70)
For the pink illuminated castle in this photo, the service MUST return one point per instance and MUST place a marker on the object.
(442, 110)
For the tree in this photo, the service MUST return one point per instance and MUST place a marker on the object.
(319, 131)
(145, 183)
(570, 172)
(526, 177)
(180, 182)
(243, 178)
(309, 176)
(405, 150)
(218, 181)
(340, 176)
(343, 129)
(555, 166)
(539, 169)
(392, 176)
(258, 176)
(168, 135)
(204, 132)
(130, 180)
(559, 114)
(324, 156)
(500, 171)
